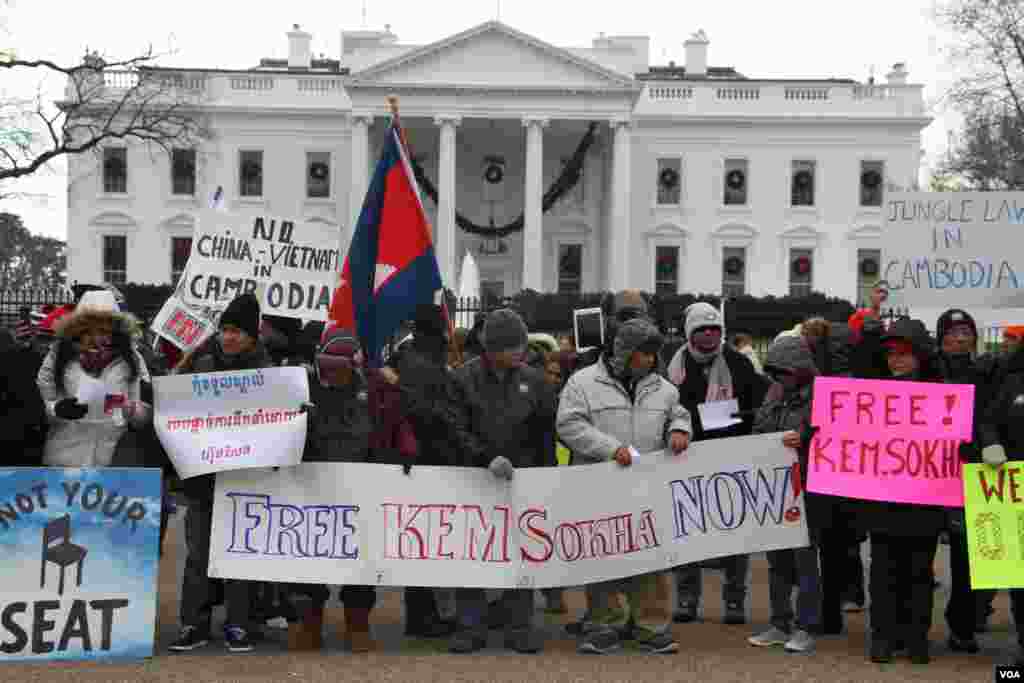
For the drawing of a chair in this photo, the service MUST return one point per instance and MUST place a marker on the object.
(63, 554)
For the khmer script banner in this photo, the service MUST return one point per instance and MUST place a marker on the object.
(962, 249)
(559, 526)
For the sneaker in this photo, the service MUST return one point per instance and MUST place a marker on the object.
(600, 642)
(735, 614)
(968, 645)
(466, 642)
(574, 628)
(880, 652)
(801, 642)
(190, 639)
(237, 639)
(685, 613)
(851, 606)
(525, 642)
(660, 644)
(279, 623)
(770, 638)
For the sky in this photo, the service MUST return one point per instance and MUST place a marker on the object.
(785, 38)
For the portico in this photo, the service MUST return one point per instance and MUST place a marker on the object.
(493, 98)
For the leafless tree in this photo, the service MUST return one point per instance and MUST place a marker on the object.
(989, 54)
(104, 100)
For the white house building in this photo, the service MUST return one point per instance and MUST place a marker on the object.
(695, 178)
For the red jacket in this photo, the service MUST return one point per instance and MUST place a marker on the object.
(392, 433)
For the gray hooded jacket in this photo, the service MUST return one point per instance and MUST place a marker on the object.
(597, 416)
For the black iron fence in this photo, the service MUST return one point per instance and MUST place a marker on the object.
(35, 301)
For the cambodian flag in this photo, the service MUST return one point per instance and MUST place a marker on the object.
(391, 267)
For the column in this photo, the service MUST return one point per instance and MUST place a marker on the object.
(619, 245)
(444, 230)
(360, 173)
(533, 215)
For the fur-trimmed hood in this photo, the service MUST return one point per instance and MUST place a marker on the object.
(84, 318)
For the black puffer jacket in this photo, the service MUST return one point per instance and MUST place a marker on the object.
(511, 415)
(341, 427)
(23, 421)
(211, 358)
(433, 402)
(1002, 423)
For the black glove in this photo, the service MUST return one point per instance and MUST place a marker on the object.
(70, 409)
(407, 468)
(308, 409)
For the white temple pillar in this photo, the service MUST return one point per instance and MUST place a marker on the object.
(533, 215)
(444, 230)
(360, 178)
(619, 237)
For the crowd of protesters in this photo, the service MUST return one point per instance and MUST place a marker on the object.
(498, 397)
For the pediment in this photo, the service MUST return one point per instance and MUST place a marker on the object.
(735, 231)
(802, 232)
(492, 56)
(865, 232)
(113, 219)
(179, 222)
(668, 230)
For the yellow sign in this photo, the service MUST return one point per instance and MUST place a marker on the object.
(994, 507)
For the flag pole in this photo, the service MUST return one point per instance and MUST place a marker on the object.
(392, 101)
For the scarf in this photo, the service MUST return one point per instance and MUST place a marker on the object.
(95, 361)
(719, 377)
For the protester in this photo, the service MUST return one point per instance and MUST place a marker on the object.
(432, 403)
(511, 415)
(707, 371)
(744, 343)
(235, 347)
(1001, 432)
(553, 365)
(95, 345)
(280, 337)
(867, 356)
(617, 309)
(339, 430)
(23, 420)
(638, 409)
(959, 363)
(566, 343)
(787, 409)
(904, 537)
(1013, 337)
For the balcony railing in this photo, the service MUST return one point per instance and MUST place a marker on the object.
(766, 99)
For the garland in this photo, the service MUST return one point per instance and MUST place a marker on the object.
(566, 181)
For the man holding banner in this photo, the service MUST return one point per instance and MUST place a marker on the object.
(639, 413)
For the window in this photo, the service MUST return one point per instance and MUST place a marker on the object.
(570, 268)
(318, 175)
(666, 270)
(734, 271)
(115, 259)
(801, 262)
(183, 172)
(670, 181)
(115, 170)
(736, 181)
(181, 247)
(802, 184)
(250, 172)
(872, 182)
(869, 262)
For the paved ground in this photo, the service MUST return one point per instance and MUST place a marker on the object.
(710, 651)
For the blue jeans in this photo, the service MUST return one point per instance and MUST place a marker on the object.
(795, 568)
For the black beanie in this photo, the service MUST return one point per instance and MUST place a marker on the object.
(954, 316)
(504, 331)
(244, 313)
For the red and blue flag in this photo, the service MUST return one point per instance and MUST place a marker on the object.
(391, 266)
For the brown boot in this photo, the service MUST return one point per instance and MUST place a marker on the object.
(307, 634)
(357, 630)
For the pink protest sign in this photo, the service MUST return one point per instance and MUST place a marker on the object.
(890, 441)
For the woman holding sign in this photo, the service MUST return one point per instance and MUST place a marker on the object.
(904, 537)
(91, 383)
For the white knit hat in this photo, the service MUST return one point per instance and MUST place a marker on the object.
(701, 314)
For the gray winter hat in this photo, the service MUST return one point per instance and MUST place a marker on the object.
(789, 354)
(504, 330)
(701, 314)
(633, 335)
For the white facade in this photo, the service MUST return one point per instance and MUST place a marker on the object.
(493, 94)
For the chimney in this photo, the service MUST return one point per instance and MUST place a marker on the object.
(697, 54)
(299, 54)
(898, 75)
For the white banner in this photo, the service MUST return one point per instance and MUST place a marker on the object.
(957, 249)
(443, 526)
(292, 266)
(231, 420)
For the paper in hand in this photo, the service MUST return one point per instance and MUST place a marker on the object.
(92, 393)
(718, 414)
